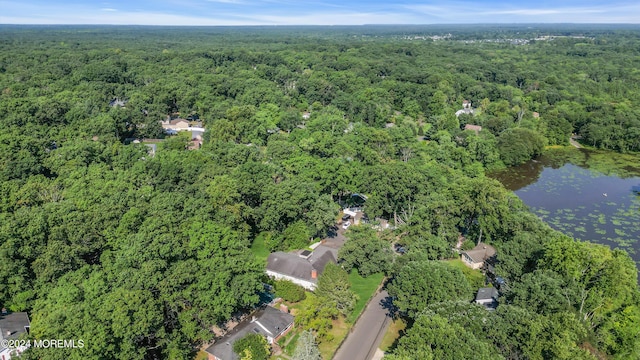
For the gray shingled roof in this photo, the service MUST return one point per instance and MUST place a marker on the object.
(298, 267)
(487, 294)
(290, 264)
(273, 322)
(481, 252)
(14, 323)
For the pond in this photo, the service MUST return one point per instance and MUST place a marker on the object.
(586, 194)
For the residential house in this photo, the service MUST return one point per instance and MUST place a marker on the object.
(475, 128)
(116, 102)
(476, 257)
(302, 269)
(466, 108)
(268, 322)
(487, 297)
(12, 325)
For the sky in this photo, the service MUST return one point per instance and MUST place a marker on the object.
(320, 12)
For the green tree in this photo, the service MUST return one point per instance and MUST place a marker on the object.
(365, 251)
(420, 283)
(334, 288)
(433, 337)
(306, 347)
(289, 291)
(252, 347)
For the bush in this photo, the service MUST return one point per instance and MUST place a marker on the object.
(252, 346)
(289, 291)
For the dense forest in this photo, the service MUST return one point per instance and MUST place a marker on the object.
(140, 254)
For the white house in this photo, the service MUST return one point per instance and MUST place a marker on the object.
(476, 257)
(302, 269)
(268, 322)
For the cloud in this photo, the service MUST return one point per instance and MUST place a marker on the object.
(314, 12)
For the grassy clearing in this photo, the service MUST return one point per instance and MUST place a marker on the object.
(395, 330)
(474, 277)
(259, 248)
(338, 331)
(202, 355)
(364, 288)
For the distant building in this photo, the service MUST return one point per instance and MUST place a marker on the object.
(475, 128)
(117, 103)
(487, 297)
(466, 108)
(306, 115)
(172, 126)
(268, 322)
(302, 269)
(476, 257)
(12, 325)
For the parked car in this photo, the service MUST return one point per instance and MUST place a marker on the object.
(346, 217)
(346, 225)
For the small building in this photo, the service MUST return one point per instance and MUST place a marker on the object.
(12, 325)
(466, 108)
(474, 128)
(476, 257)
(302, 269)
(116, 102)
(306, 115)
(268, 322)
(487, 297)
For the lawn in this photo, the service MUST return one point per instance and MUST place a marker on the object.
(259, 248)
(396, 328)
(338, 331)
(474, 277)
(364, 288)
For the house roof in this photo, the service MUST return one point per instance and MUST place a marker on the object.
(300, 268)
(15, 323)
(290, 264)
(481, 252)
(487, 294)
(475, 128)
(266, 321)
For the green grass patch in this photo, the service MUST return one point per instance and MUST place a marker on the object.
(259, 248)
(364, 288)
(474, 277)
(395, 330)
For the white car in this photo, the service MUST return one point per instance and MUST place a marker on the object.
(346, 225)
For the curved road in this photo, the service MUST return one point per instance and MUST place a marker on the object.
(367, 333)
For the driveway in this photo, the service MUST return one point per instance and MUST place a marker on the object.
(367, 333)
(335, 238)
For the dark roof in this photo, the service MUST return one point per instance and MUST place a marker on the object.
(481, 252)
(305, 253)
(15, 323)
(267, 322)
(298, 267)
(321, 257)
(290, 264)
(487, 294)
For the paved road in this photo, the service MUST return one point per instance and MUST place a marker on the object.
(367, 333)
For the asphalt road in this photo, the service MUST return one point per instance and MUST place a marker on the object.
(367, 333)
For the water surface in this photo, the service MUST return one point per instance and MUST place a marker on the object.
(587, 195)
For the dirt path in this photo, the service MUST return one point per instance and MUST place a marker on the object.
(574, 143)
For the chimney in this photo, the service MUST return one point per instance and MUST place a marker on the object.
(314, 274)
(8, 333)
(253, 319)
(284, 308)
